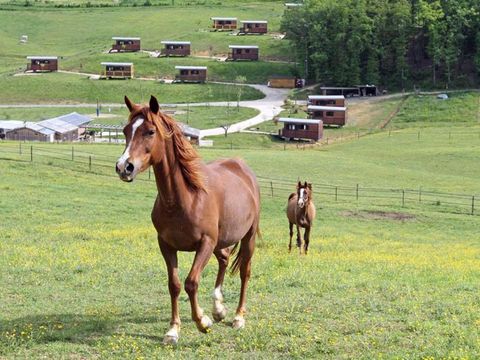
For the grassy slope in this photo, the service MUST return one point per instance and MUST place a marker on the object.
(83, 275)
(97, 26)
(63, 88)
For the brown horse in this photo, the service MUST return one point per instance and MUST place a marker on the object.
(205, 208)
(301, 212)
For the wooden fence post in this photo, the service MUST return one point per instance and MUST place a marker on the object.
(473, 204)
(420, 194)
(271, 187)
(90, 162)
(73, 158)
(419, 135)
(20, 148)
(336, 193)
(403, 198)
(357, 193)
(31, 153)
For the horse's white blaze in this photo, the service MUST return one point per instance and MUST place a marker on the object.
(126, 154)
(300, 198)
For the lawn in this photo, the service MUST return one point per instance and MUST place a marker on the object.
(63, 89)
(83, 277)
(81, 36)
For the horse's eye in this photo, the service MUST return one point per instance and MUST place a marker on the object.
(150, 132)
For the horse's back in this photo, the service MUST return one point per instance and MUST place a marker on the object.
(291, 206)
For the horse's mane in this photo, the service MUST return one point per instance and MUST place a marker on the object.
(186, 156)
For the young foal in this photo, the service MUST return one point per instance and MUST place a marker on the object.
(205, 208)
(301, 212)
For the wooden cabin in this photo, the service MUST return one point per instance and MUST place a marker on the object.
(42, 63)
(191, 74)
(330, 115)
(176, 48)
(30, 131)
(243, 52)
(125, 44)
(311, 129)
(282, 81)
(224, 23)
(254, 27)
(326, 100)
(117, 70)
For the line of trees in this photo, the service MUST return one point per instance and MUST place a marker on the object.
(394, 43)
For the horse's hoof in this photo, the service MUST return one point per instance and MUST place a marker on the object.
(219, 313)
(171, 337)
(205, 324)
(238, 322)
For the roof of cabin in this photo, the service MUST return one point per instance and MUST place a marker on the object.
(124, 38)
(326, 97)
(299, 121)
(191, 67)
(243, 46)
(42, 57)
(254, 21)
(116, 64)
(224, 18)
(326, 108)
(65, 123)
(175, 42)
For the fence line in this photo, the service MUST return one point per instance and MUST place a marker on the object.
(271, 187)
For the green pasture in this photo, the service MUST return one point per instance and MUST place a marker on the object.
(82, 276)
(82, 36)
(64, 88)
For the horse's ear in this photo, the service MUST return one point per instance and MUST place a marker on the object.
(299, 185)
(305, 185)
(154, 107)
(129, 104)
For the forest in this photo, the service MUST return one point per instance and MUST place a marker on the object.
(395, 44)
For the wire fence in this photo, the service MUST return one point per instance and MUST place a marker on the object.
(101, 164)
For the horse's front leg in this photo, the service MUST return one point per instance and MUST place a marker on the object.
(299, 239)
(202, 256)
(291, 235)
(174, 286)
(306, 238)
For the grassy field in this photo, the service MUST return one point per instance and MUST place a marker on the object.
(97, 26)
(200, 117)
(82, 275)
(63, 88)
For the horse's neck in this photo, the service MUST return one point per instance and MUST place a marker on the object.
(303, 212)
(171, 185)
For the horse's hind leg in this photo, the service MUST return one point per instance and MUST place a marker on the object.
(246, 252)
(219, 311)
(306, 238)
(291, 235)
(299, 239)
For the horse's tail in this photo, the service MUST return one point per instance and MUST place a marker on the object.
(235, 267)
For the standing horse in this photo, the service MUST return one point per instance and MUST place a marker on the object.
(205, 208)
(301, 212)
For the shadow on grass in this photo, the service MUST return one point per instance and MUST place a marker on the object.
(71, 328)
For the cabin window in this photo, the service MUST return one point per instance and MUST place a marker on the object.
(183, 72)
(329, 113)
(319, 113)
(247, 51)
(257, 25)
(238, 51)
(228, 22)
(291, 126)
(331, 102)
(195, 72)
